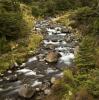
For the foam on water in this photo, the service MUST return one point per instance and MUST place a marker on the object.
(50, 42)
(38, 29)
(58, 32)
(50, 70)
(27, 72)
(1, 80)
(1, 89)
(62, 34)
(36, 83)
(63, 42)
(66, 58)
(51, 30)
(58, 28)
(61, 48)
(50, 33)
(23, 64)
(30, 73)
(32, 59)
(60, 74)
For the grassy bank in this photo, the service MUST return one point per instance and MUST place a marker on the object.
(18, 49)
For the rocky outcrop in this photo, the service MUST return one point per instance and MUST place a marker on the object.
(26, 91)
(52, 57)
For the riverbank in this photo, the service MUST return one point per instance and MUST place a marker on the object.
(40, 71)
(15, 50)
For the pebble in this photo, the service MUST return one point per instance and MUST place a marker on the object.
(47, 91)
(9, 71)
(1, 80)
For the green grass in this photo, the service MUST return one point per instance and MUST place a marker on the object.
(20, 51)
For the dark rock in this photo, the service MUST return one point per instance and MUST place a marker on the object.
(71, 50)
(41, 57)
(54, 40)
(68, 39)
(11, 78)
(45, 85)
(65, 30)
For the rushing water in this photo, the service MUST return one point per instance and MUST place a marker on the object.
(36, 71)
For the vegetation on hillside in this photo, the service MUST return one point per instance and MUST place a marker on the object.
(83, 81)
(16, 20)
(16, 38)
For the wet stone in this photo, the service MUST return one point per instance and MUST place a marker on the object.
(47, 91)
(52, 57)
(26, 91)
(11, 78)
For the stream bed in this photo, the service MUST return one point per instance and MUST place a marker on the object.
(40, 69)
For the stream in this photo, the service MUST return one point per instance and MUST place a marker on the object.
(37, 71)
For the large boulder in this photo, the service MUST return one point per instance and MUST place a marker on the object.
(52, 57)
(26, 91)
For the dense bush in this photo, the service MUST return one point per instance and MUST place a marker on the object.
(9, 5)
(86, 55)
(84, 85)
(12, 25)
(11, 20)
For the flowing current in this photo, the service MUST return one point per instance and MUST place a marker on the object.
(36, 71)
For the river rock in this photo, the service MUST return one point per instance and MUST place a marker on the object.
(65, 30)
(46, 85)
(52, 26)
(26, 91)
(11, 78)
(16, 64)
(52, 57)
(9, 71)
(41, 57)
(54, 40)
(50, 46)
(53, 79)
(68, 39)
(47, 91)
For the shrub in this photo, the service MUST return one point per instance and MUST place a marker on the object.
(86, 55)
(12, 25)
